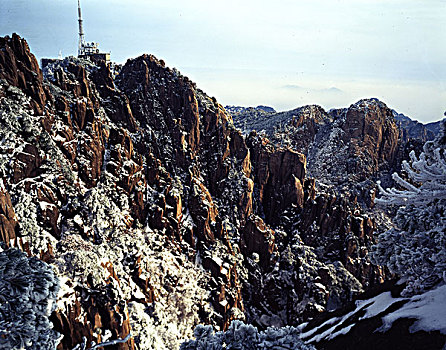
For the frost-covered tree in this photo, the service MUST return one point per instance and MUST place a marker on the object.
(241, 336)
(83, 345)
(415, 248)
(28, 291)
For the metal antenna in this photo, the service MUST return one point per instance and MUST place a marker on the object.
(80, 50)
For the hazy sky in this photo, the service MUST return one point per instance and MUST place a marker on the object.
(280, 53)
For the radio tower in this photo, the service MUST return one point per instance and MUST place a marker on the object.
(90, 50)
(81, 45)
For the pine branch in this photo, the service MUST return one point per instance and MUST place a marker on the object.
(83, 346)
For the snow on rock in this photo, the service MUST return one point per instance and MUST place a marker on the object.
(158, 214)
(381, 318)
(429, 310)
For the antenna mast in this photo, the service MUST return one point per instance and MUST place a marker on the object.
(90, 50)
(80, 49)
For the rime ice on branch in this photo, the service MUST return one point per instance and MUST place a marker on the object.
(416, 248)
(28, 291)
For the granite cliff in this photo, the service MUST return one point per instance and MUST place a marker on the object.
(156, 213)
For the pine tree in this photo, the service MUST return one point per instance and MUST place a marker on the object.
(415, 248)
(28, 292)
(240, 336)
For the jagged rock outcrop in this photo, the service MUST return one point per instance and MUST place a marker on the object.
(372, 136)
(226, 297)
(334, 224)
(203, 209)
(298, 128)
(155, 92)
(258, 238)
(279, 174)
(342, 233)
(20, 68)
(87, 320)
(108, 157)
(414, 130)
(115, 103)
(27, 163)
(348, 148)
(158, 214)
(8, 221)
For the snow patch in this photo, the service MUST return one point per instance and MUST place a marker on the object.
(429, 309)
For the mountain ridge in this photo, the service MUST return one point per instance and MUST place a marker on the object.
(157, 213)
(410, 127)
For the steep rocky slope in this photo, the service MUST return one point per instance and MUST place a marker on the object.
(246, 117)
(415, 130)
(158, 214)
(347, 149)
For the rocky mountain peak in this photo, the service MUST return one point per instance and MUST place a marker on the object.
(343, 147)
(157, 214)
(20, 68)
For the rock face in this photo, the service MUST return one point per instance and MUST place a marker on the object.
(279, 174)
(258, 238)
(411, 129)
(158, 214)
(20, 68)
(8, 221)
(344, 147)
(75, 324)
(372, 135)
(342, 232)
(109, 164)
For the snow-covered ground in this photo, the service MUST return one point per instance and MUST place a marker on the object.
(428, 310)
